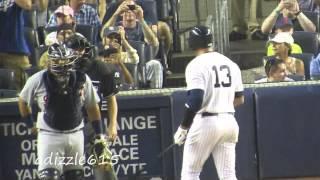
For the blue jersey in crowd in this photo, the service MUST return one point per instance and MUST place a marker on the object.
(12, 28)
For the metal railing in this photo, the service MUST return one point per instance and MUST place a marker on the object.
(220, 26)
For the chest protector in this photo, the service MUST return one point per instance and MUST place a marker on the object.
(63, 108)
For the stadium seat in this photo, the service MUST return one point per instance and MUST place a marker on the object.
(30, 19)
(140, 47)
(48, 30)
(133, 69)
(87, 31)
(31, 36)
(32, 39)
(306, 58)
(7, 79)
(150, 52)
(307, 40)
(41, 34)
(38, 53)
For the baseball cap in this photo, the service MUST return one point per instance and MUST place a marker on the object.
(65, 10)
(282, 37)
(110, 30)
(283, 22)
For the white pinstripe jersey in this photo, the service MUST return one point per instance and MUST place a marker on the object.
(219, 77)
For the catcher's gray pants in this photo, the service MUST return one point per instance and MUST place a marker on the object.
(60, 151)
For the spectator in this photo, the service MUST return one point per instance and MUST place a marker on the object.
(101, 5)
(288, 10)
(240, 26)
(136, 29)
(275, 70)
(83, 13)
(64, 15)
(154, 68)
(114, 7)
(133, 21)
(283, 25)
(115, 37)
(282, 47)
(315, 68)
(309, 5)
(14, 50)
(160, 28)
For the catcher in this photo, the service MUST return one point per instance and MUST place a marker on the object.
(61, 92)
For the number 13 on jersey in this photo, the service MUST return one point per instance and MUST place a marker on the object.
(223, 76)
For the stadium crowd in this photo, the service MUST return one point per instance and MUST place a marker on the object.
(141, 41)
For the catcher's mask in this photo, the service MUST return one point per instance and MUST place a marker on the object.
(84, 48)
(61, 62)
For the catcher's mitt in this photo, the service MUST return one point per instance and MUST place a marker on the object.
(101, 153)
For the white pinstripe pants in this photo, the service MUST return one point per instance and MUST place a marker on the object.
(211, 135)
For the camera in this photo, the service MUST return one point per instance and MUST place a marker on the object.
(132, 7)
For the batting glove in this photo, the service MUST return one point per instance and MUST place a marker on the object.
(180, 136)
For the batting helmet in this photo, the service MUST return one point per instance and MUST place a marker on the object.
(200, 37)
(61, 59)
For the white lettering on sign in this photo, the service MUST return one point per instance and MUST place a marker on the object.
(126, 140)
(14, 129)
(28, 158)
(28, 145)
(138, 122)
(24, 174)
(130, 153)
(88, 171)
(130, 168)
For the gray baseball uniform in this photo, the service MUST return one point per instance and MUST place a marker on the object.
(55, 145)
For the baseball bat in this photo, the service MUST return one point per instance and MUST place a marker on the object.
(166, 150)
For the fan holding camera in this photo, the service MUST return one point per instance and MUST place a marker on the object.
(137, 29)
(133, 22)
(287, 10)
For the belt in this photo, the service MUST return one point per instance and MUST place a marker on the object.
(62, 132)
(204, 114)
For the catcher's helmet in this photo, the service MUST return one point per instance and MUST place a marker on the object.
(77, 42)
(61, 59)
(86, 51)
(200, 37)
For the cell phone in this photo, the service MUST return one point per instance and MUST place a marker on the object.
(132, 7)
